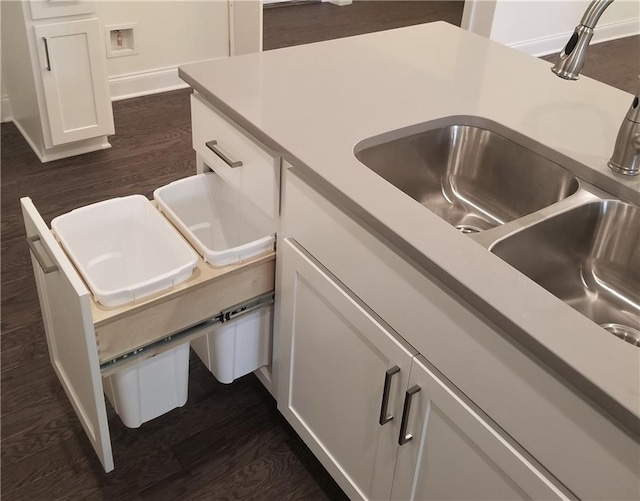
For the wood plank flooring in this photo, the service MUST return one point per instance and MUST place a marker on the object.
(228, 441)
(318, 21)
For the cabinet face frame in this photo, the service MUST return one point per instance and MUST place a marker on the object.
(335, 351)
(68, 119)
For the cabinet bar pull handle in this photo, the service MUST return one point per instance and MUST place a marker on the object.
(404, 436)
(231, 163)
(385, 394)
(46, 51)
(47, 268)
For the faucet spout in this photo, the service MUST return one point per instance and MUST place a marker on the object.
(571, 59)
(626, 153)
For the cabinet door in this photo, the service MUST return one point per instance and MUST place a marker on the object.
(74, 80)
(66, 312)
(334, 359)
(451, 452)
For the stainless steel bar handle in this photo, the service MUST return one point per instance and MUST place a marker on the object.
(46, 52)
(231, 163)
(384, 418)
(404, 436)
(47, 268)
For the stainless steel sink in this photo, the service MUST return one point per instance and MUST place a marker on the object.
(590, 258)
(473, 178)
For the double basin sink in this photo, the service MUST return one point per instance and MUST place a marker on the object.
(565, 235)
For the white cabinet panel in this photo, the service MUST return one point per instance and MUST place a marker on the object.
(74, 80)
(334, 361)
(66, 311)
(453, 453)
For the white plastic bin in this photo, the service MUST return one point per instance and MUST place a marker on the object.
(150, 388)
(220, 223)
(243, 345)
(124, 249)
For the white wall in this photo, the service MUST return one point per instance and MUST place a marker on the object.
(168, 33)
(542, 27)
(6, 113)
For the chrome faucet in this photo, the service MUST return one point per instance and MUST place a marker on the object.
(626, 153)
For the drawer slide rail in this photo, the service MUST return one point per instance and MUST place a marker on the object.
(111, 366)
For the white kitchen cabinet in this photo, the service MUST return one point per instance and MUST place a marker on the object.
(342, 377)
(56, 76)
(449, 451)
(581, 447)
(417, 435)
(74, 80)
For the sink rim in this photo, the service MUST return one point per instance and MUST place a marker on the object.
(630, 333)
(506, 203)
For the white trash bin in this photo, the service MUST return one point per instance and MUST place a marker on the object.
(125, 251)
(234, 349)
(225, 229)
(216, 219)
(151, 387)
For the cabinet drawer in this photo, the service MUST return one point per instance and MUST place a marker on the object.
(122, 330)
(87, 341)
(235, 156)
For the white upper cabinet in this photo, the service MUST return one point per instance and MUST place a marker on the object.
(74, 80)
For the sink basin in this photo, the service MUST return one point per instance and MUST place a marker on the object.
(590, 258)
(473, 178)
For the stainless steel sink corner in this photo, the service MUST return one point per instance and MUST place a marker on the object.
(589, 257)
(470, 175)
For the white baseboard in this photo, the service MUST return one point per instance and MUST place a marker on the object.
(145, 83)
(65, 150)
(6, 111)
(339, 3)
(603, 33)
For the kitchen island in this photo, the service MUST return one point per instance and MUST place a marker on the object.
(562, 391)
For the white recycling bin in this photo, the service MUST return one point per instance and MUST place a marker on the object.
(125, 251)
(225, 228)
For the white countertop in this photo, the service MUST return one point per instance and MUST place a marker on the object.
(312, 104)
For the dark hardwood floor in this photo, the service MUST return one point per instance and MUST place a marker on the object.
(228, 441)
(318, 21)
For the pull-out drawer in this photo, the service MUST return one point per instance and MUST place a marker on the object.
(88, 341)
(235, 156)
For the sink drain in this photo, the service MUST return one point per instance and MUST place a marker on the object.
(628, 334)
(467, 228)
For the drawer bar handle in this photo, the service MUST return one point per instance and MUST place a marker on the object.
(47, 268)
(404, 436)
(231, 163)
(46, 52)
(384, 417)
